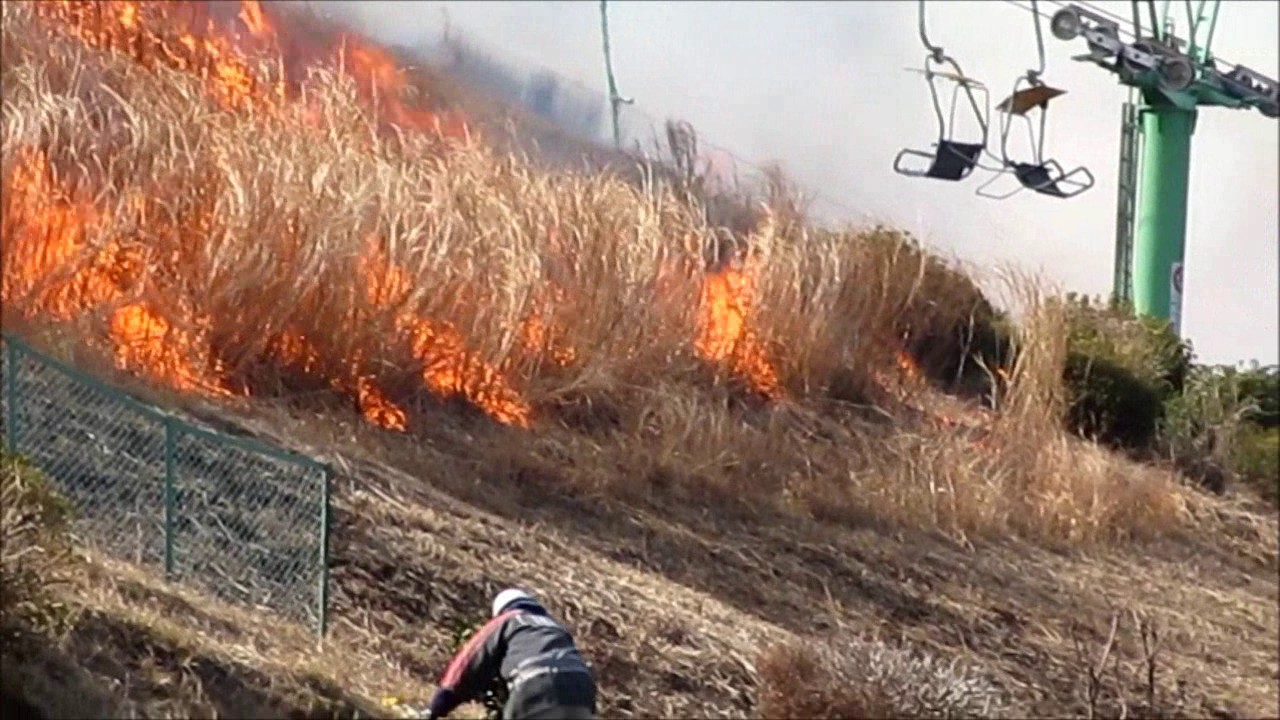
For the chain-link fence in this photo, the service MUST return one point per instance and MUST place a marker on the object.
(237, 519)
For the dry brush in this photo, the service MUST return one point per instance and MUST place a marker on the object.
(299, 245)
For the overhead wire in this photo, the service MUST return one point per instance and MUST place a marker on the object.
(653, 124)
(1092, 7)
(1125, 24)
(1124, 29)
(741, 162)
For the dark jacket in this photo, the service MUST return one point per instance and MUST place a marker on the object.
(521, 639)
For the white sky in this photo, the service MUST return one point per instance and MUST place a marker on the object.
(820, 86)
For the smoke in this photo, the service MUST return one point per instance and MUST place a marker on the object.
(820, 87)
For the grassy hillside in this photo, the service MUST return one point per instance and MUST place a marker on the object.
(707, 430)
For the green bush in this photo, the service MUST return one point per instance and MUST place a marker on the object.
(1257, 461)
(1223, 423)
(1260, 386)
(1110, 403)
(1121, 373)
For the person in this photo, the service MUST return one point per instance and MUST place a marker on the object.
(527, 653)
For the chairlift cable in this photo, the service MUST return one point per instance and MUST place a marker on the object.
(1092, 7)
(1125, 26)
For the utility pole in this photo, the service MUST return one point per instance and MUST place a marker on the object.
(615, 100)
(1174, 78)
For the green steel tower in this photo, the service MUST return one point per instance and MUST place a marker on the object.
(1172, 78)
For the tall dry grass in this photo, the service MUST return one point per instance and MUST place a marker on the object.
(305, 220)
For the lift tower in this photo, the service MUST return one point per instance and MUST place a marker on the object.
(1173, 78)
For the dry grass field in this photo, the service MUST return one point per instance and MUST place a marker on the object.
(736, 463)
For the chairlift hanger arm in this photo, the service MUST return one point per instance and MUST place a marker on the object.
(1199, 47)
(1156, 28)
(1213, 25)
(934, 50)
(1034, 75)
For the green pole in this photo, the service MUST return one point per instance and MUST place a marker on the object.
(170, 492)
(326, 499)
(1161, 235)
(11, 385)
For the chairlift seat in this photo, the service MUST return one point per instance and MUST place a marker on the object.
(1048, 178)
(951, 161)
(1026, 99)
(954, 160)
(1037, 178)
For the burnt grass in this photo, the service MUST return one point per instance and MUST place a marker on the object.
(108, 666)
(988, 603)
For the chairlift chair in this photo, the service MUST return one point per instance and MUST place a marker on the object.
(951, 159)
(1039, 175)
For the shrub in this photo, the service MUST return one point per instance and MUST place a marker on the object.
(1260, 385)
(1110, 403)
(1215, 429)
(951, 325)
(33, 546)
(1121, 371)
(1257, 461)
(867, 679)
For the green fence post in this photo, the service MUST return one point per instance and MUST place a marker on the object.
(323, 602)
(11, 387)
(170, 444)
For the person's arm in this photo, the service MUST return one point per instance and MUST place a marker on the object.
(472, 669)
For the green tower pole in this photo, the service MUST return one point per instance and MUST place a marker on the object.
(1160, 240)
(1173, 87)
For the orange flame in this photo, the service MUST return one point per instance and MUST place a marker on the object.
(150, 34)
(49, 268)
(723, 335)
(380, 80)
(54, 270)
(144, 340)
(448, 367)
(909, 367)
(252, 16)
(45, 237)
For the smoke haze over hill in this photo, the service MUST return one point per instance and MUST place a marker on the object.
(821, 88)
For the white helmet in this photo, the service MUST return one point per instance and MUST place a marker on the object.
(510, 596)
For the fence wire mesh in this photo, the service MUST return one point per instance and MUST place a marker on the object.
(233, 518)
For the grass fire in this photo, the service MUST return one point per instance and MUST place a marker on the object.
(743, 455)
(69, 258)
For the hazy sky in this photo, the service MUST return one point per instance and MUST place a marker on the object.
(820, 86)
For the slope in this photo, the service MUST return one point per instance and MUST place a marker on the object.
(712, 470)
(677, 606)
